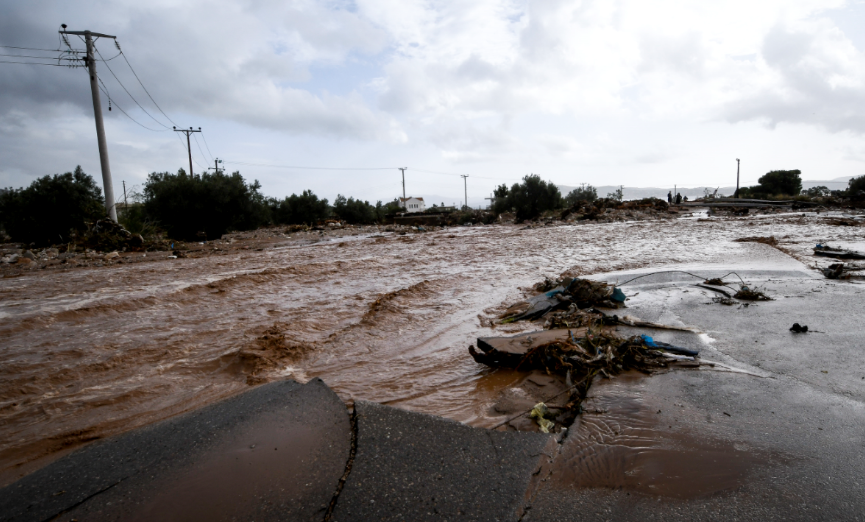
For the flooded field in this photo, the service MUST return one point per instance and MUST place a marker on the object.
(91, 351)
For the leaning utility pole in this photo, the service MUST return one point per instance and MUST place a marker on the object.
(188, 146)
(215, 166)
(737, 177)
(466, 186)
(403, 169)
(107, 186)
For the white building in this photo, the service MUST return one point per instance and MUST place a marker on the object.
(412, 204)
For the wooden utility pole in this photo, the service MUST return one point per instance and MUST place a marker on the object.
(403, 169)
(466, 186)
(215, 166)
(737, 177)
(107, 185)
(188, 146)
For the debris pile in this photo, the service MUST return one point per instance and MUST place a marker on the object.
(577, 356)
(770, 240)
(838, 253)
(607, 210)
(573, 294)
(751, 294)
(842, 271)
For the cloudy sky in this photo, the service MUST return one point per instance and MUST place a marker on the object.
(632, 92)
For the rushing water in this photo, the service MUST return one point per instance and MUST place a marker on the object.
(91, 352)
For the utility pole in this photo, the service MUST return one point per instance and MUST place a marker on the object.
(125, 203)
(188, 146)
(466, 186)
(737, 177)
(215, 166)
(403, 169)
(107, 185)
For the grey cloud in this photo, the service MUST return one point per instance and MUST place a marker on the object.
(817, 85)
(211, 63)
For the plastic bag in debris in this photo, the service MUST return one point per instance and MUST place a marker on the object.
(539, 413)
(651, 343)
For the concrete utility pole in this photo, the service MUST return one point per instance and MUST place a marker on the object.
(466, 186)
(737, 177)
(125, 202)
(107, 185)
(403, 169)
(215, 166)
(188, 146)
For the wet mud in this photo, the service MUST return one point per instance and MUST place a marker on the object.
(621, 442)
(88, 352)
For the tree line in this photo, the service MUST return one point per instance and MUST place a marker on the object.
(190, 207)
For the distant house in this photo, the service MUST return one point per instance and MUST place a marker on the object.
(412, 204)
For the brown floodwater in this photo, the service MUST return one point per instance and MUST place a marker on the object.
(89, 352)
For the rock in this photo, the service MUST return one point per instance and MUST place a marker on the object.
(111, 255)
(52, 252)
(24, 260)
(11, 258)
(29, 255)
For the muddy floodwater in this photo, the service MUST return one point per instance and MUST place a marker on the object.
(88, 352)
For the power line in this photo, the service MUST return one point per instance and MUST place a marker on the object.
(31, 48)
(104, 89)
(206, 145)
(307, 168)
(199, 148)
(39, 57)
(127, 90)
(142, 85)
(40, 63)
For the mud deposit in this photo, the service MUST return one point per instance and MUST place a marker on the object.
(92, 351)
(620, 443)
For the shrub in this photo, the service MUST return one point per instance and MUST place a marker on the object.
(856, 186)
(777, 182)
(212, 204)
(354, 210)
(581, 193)
(530, 198)
(52, 208)
(616, 195)
(816, 192)
(383, 211)
(298, 210)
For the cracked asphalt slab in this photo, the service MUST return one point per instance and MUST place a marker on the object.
(276, 452)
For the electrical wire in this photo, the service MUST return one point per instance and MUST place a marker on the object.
(307, 168)
(40, 63)
(185, 148)
(31, 48)
(38, 57)
(104, 89)
(142, 84)
(199, 147)
(206, 145)
(125, 89)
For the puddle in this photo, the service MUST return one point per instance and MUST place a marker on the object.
(620, 443)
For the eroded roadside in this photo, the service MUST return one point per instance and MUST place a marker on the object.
(96, 350)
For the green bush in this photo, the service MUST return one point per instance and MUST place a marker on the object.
(528, 199)
(354, 210)
(188, 207)
(775, 183)
(305, 209)
(581, 193)
(816, 192)
(388, 209)
(856, 186)
(52, 208)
